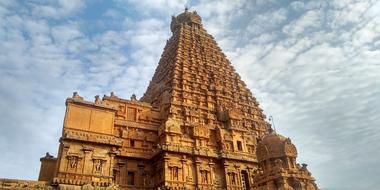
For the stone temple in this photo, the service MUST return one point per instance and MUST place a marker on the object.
(197, 127)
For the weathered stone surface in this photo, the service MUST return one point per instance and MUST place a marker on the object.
(278, 168)
(48, 165)
(23, 184)
(197, 127)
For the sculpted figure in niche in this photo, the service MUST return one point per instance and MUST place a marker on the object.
(73, 161)
(175, 173)
(98, 165)
(204, 176)
(233, 180)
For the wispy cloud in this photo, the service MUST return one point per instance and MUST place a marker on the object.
(56, 9)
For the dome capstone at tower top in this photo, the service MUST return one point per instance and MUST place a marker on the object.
(274, 146)
(187, 18)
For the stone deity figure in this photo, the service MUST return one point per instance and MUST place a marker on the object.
(73, 161)
(98, 165)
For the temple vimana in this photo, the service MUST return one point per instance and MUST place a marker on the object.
(197, 127)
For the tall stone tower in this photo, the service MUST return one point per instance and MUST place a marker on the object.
(211, 121)
(197, 127)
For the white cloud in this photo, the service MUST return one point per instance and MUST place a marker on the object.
(308, 22)
(217, 16)
(58, 9)
(348, 13)
(367, 34)
(267, 21)
(113, 14)
(66, 33)
(69, 7)
(148, 7)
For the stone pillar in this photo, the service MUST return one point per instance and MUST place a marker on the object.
(123, 173)
(86, 157)
(63, 162)
(167, 176)
(141, 171)
(110, 170)
(189, 171)
(197, 169)
(184, 169)
(238, 176)
(226, 176)
(249, 174)
(212, 174)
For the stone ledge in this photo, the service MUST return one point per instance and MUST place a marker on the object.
(16, 184)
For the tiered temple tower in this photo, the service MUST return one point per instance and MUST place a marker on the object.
(211, 121)
(197, 127)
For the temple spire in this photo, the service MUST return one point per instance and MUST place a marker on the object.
(196, 83)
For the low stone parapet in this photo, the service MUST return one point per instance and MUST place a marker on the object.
(16, 184)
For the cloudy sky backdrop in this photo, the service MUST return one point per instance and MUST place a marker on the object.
(313, 65)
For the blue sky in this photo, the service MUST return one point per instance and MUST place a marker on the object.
(313, 65)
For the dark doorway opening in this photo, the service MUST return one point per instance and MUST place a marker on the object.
(244, 180)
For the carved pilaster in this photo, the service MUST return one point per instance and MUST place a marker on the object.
(184, 168)
(197, 169)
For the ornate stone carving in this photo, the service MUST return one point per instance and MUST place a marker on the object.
(98, 165)
(133, 98)
(272, 151)
(76, 96)
(98, 100)
(194, 128)
(73, 161)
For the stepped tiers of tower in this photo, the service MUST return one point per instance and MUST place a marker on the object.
(197, 127)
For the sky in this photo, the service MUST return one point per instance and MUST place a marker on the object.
(313, 65)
